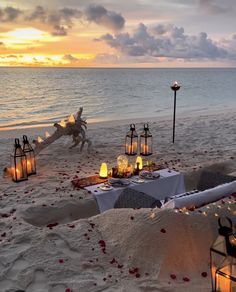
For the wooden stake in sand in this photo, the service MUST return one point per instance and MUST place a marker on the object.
(75, 127)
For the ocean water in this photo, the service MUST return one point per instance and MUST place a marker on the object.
(35, 96)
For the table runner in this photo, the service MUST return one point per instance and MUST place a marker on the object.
(169, 184)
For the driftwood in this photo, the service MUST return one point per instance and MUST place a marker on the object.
(76, 128)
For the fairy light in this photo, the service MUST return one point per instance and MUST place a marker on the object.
(39, 139)
(47, 135)
(152, 216)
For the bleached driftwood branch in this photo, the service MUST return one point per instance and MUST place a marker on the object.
(76, 129)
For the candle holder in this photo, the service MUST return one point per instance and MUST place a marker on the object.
(30, 157)
(18, 163)
(131, 141)
(146, 141)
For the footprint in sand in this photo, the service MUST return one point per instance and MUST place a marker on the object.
(39, 283)
(62, 245)
(18, 266)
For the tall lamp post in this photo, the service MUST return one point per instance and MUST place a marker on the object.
(175, 87)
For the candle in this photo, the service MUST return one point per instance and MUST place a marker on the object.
(145, 148)
(29, 166)
(103, 170)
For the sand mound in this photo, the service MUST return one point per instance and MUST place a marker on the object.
(119, 250)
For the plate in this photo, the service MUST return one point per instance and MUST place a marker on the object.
(137, 180)
(117, 182)
(149, 175)
(105, 187)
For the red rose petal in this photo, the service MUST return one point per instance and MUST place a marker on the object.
(204, 274)
(61, 261)
(173, 276)
(186, 279)
(163, 230)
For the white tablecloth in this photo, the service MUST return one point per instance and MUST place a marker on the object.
(169, 184)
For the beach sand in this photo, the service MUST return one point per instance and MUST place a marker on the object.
(126, 250)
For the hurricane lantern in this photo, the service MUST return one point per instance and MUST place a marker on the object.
(146, 141)
(131, 141)
(18, 163)
(223, 258)
(103, 170)
(175, 87)
(30, 157)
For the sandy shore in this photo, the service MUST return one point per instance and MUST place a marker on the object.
(138, 256)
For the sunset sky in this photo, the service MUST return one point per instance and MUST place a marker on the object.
(124, 33)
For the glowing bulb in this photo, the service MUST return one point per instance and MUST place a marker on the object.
(47, 135)
(152, 216)
(62, 124)
(71, 119)
(40, 140)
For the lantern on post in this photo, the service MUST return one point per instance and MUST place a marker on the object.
(223, 258)
(30, 157)
(146, 141)
(131, 141)
(18, 163)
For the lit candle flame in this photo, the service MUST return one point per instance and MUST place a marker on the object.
(40, 140)
(71, 119)
(47, 135)
(62, 124)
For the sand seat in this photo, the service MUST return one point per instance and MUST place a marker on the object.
(130, 198)
(209, 180)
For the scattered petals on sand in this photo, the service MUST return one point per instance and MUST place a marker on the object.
(204, 274)
(186, 279)
(51, 225)
(173, 276)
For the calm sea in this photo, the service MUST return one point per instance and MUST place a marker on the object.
(33, 96)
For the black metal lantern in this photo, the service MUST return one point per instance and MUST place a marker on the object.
(146, 141)
(131, 141)
(18, 163)
(223, 258)
(30, 157)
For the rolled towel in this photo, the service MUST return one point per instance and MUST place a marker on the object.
(202, 198)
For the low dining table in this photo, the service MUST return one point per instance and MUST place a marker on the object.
(169, 184)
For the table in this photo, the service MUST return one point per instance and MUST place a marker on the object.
(169, 184)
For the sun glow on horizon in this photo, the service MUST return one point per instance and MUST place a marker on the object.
(20, 38)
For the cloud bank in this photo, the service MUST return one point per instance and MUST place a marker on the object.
(61, 20)
(166, 40)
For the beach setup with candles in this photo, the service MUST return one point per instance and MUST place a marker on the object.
(99, 204)
(82, 203)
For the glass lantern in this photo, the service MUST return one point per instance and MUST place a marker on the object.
(223, 258)
(146, 141)
(18, 163)
(30, 157)
(131, 141)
